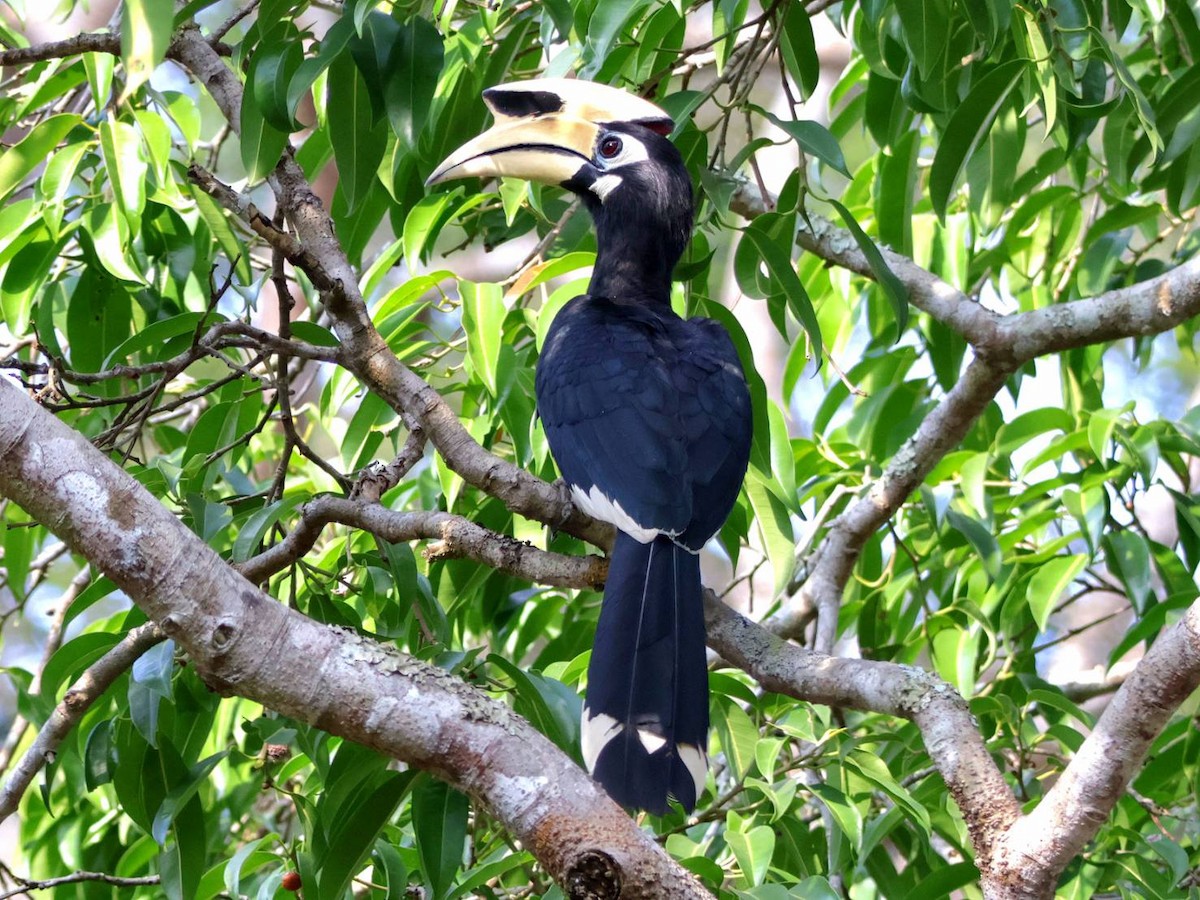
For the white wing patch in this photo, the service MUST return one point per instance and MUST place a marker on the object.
(598, 506)
(696, 761)
(651, 741)
(596, 731)
(594, 734)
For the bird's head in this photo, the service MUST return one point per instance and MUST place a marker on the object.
(606, 145)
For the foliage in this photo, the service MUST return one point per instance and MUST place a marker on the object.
(1027, 155)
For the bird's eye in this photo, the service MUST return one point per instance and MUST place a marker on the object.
(611, 147)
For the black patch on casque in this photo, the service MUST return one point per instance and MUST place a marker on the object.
(663, 126)
(523, 103)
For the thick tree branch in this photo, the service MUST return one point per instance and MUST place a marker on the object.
(79, 697)
(1148, 308)
(1042, 843)
(951, 737)
(455, 536)
(241, 641)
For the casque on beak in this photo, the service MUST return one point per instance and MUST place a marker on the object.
(546, 129)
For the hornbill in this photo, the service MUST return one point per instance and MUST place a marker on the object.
(647, 415)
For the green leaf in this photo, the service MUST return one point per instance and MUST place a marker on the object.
(606, 23)
(980, 537)
(18, 161)
(943, 881)
(247, 859)
(255, 528)
(775, 524)
(181, 794)
(1128, 555)
(439, 815)
(967, 128)
(271, 74)
(813, 138)
(262, 143)
(550, 706)
(779, 268)
(421, 226)
(844, 812)
(358, 143)
(145, 35)
(1100, 430)
(893, 287)
(355, 827)
(483, 321)
(307, 73)
(875, 770)
(69, 660)
(753, 850)
(415, 64)
(110, 236)
(1048, 583)
(121, 147)
(229, 243)
(798, 47)
(924, 25)
(98, 756)
(182, 861)
(739, 737)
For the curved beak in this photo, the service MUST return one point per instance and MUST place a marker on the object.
(549, 148)
(546, 129)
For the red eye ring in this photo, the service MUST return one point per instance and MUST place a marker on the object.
(610, 147)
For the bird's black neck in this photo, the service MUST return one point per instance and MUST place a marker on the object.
(641, 232)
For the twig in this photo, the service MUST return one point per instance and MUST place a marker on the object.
(16, 731)
(79, 697)
(45, 884)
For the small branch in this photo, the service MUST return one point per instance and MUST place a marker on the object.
(79, 697)
(103, 42)
(30, 884)
(262, 226)
(455, 536)
(225, 27)
(376, 480)
(939, 432)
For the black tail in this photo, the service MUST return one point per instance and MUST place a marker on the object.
(645, 721)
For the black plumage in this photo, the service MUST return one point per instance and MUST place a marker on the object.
(651, 413)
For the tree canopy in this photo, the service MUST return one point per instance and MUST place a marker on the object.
(290, 599)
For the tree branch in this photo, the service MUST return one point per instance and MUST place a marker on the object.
(102, 42)
(834, 561)
(951, 737)
(241, 641)
(1042, 843)
(456, 537)
(45, 884)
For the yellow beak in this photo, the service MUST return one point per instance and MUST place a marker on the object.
(548, 148)
(546, 129)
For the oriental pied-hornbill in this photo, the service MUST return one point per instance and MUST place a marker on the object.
(647, 416)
